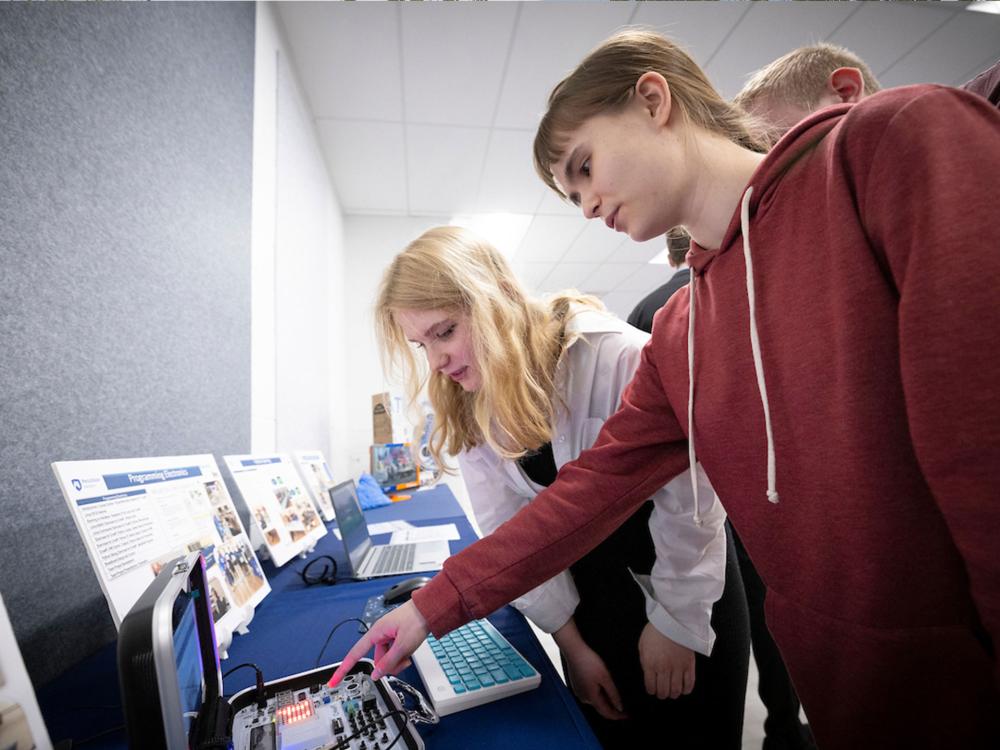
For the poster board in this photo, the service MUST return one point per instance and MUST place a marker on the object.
(137, 514)
(280, 508)
(316, 474)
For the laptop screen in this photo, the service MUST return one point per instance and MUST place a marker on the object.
(351, 522)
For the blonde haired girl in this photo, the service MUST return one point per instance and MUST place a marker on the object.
(520, 387)
(832, 365)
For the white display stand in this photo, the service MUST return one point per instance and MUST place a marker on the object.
(280, 508)
(137, 514)
(316, 474)
(21, 725)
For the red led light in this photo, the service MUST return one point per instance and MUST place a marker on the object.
(295, 712)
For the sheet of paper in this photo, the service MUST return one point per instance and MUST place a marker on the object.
(385, 527)
(447, 532)
(388, 527)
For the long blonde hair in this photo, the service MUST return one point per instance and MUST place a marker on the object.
(605, 82)
(517, 342)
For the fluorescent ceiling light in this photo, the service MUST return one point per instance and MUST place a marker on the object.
(984, 6)
(503, 231)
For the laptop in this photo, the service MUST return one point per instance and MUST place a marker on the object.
(368, 560)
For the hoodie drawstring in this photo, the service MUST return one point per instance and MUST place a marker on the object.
(758, 364)
(691, 458)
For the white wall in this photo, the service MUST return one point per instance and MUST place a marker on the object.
(298, 316)
(371, 243)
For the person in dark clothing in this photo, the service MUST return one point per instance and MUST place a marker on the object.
(678, 243)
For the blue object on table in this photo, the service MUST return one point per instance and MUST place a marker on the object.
(370, 495)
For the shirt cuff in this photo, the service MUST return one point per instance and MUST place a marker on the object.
(669, 626)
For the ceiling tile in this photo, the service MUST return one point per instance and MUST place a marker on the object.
(621, 303)
(567, 276)
(368, 164)
(533, 274)
(698, 27)
(347, 56)
(950, 52)
(454, 55)
(467, 67)
(766, 32)
(594, 244)
(553, 204)
(548, 238)
(645, 280)
(525, 92)
(865, 32)
(444, 164)
(609, 275)
(637, 252)
(509, 183)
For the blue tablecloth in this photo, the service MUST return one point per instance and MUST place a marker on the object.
(288, 630)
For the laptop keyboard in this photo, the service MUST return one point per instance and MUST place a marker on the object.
(392, 558)
(470, 666)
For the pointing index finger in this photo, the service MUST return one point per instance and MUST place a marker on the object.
(358, 650)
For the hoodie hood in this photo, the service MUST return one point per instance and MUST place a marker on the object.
(795, 144)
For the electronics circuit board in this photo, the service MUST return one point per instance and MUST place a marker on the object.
(355, 715)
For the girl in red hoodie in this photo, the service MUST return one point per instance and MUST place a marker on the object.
(833, 365)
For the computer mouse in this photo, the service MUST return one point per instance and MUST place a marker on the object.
(402, 591)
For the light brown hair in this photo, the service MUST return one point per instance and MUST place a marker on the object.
(678, 244)
(801, 76)
(605, 82)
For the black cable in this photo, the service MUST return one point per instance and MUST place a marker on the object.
(261, 697)
(327, 641)
(250, 664)
(327, 575)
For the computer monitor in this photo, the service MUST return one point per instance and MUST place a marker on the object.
(167, 661)
(351, 522)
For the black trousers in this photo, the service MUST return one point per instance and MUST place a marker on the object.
(612, 615)
(775, 685)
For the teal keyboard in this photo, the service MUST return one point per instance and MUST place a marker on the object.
(472, 665)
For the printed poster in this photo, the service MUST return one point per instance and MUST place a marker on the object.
(137, 514)
(319, 479)
(279, 505)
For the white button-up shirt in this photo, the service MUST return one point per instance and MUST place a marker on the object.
(689, 573)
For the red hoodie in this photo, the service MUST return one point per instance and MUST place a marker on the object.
(875, 271)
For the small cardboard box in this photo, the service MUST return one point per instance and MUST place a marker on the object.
(382, 418)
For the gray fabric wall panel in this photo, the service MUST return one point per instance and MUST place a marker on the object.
(125, 183)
